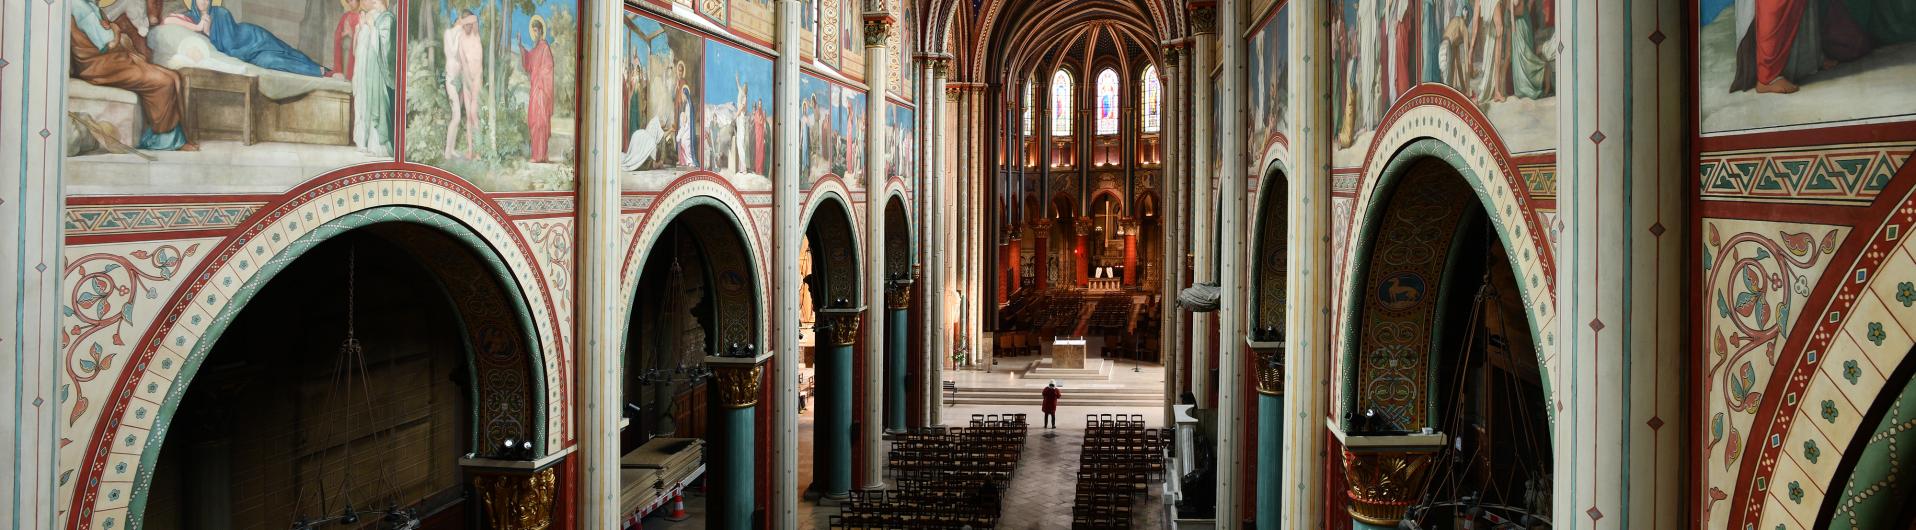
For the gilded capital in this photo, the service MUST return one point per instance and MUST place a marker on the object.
(738, 384)
(877, 30)
(1383, 484)
(940, 66)
(1170, 54)
(1083, 225)
(844, 326)
(898, 295)
(1270, 370)
(517, 501)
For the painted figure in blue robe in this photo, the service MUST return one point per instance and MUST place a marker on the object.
(246, 42)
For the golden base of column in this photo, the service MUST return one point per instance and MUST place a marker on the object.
(517, 501)
(1384, 483)
(1269, 364)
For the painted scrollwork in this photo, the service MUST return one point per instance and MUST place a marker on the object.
(1752, 279)
(105, 290)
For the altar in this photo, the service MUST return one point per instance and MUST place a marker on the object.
(1067, 352)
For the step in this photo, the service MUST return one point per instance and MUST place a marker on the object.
(1068, 390)
(1063, 402)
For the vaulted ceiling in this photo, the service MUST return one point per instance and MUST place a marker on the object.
(999, 41)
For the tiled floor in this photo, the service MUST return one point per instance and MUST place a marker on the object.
(1047, 473)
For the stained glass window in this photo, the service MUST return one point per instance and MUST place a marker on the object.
(1108, 102)
(1061, 104)
(1031, 96)
(1150, 102)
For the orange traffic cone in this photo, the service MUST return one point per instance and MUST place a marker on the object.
(678, 508)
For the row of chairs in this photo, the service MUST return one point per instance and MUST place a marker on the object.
(946, 478)
(1119, 461)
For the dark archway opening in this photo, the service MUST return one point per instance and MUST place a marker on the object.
(279, 425)
(1444, 344)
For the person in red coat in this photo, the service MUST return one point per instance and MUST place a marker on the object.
(1050, 407)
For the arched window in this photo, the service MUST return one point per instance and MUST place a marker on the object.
(1151, 102)
(1107, 102)
(1061, 103)
(1031, 100)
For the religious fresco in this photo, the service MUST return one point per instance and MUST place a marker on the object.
(832, 118)
(663, 86)
(226, 97)
(491, 90)
(737, 131)
(1500, 54)
(1269, 85)
(901, 148)
(1817, 63)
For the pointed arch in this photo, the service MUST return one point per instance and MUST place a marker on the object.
(1150, 100)
(1061, 103)
(1108, 87)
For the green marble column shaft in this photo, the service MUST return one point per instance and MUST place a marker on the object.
(895, 370)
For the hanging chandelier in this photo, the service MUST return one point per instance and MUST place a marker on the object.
(350, 369)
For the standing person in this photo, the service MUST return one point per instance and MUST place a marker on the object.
(1050, 407)
(373, 82)
(464, 68)
(537, 61)
(343, 39)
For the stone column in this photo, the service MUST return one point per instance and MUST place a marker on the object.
(730, 455)
(1268, 359)
(31, 200)
(1040, 253)
(601, 305)
(788, 238)
(938, 337)
(878, 26)
(832, 426)
(1230, 314)
(897, 300)
(1203, 201)
(1619, 384)
(1307, 306)
(1130, 227)
(1173, 223)
(1082, 265)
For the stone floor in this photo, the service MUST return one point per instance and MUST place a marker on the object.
(1040, 496)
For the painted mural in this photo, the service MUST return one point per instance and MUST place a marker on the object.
(1776, 64)
(491, 89)
(227, 97)
(1269, 85)
(832, 118)
(1500, 54)
(692, 103)
(901, 148)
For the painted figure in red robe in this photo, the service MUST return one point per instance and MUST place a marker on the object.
(538, 64)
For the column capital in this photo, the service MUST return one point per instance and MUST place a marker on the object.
(1170, 56)
(1203, 18)
(1083, 225)
(1385, 481)
(878, 27)
(1130, 226)
(1269, 357)
(737, 380)
(841, 324)
(1040, 228)
(898, 294)
(517, 501)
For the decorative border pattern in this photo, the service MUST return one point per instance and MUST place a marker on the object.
(540, 205)
(1851, 175)
(113, 452)
(1863, 334)
(113, 219)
